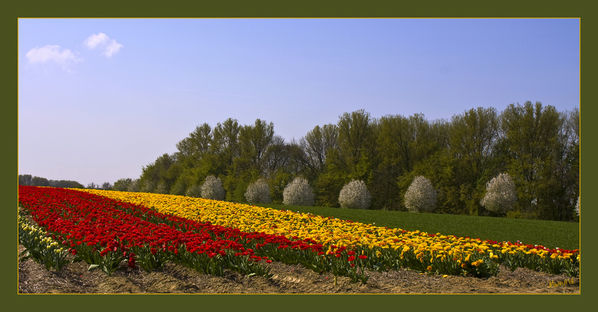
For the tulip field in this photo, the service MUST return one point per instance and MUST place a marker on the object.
(112, 230)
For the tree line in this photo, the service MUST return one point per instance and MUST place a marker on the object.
(27, 179)
(535, 144)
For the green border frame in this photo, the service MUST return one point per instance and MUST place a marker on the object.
(304, 9)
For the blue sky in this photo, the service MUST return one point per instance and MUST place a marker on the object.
(101, 98)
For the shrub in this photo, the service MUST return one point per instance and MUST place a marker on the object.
(258, 192)
(354, 195)
(298, 192)
(193, 191)
(420, 196)
(500, 194)
(212, 188)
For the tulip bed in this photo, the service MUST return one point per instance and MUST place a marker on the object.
(365, 245)
(105, 232)
(109, 228)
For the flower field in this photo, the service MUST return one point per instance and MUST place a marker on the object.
(105, 228)
(104, 232)
(384, 247)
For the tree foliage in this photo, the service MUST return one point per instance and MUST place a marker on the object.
(27, 179)
(122, 184)
(536, 145)
(193, 191)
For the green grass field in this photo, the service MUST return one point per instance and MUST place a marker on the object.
(548, 233)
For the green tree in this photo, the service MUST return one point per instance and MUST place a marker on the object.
(278, 181)
(254, 142)
(192, 148)
(250, 164)
(534, 145)
(225, 146)
(25, 179)
(134, 186)
(282, 156)
(472, 138)
(395, 156)
(356, 142)
(39, 181)
(65, 183)
(316, 145)
(157, 175)
(401, 144)
(569, 168)
(122, 184)
(179, 187)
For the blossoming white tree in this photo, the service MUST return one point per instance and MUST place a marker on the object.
(212, 188)
(298, 192)
(354, 194)
(258, 192)
(501, 194)
(420, 196)
(577, 206)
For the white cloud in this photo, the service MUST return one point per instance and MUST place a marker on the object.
(112, 48)
(95, 40)
(52, 53)
(104, 42)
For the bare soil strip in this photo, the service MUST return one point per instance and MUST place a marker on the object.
(75, 278)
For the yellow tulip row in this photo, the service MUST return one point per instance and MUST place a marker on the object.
(40, 246)
(39, 234)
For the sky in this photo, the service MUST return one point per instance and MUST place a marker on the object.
(101, 98)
